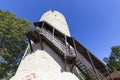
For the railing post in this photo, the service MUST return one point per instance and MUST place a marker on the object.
(65, 53)
(74, 46)
(53, 34)
(40, 39)
(66, 46)
(74, 53)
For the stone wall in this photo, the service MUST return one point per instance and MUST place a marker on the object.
(42, 65)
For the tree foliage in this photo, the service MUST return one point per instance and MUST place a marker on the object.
(113, 61)
(12, 42)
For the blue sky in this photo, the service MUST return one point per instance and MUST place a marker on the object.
(94, 23)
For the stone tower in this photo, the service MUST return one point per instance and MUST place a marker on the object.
(57, 20)
(54, 55)
(45, 64)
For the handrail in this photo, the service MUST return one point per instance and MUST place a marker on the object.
(89, 66)
(62, 47)
(54, 40)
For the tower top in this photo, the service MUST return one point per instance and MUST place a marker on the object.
(57, 20)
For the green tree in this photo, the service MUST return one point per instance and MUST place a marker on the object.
(12, 42)
(113, 61)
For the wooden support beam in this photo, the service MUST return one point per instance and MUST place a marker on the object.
(40, 39)
(108, 72)
(74, 55)
(30, 44)
(74, 47)
(92, 65)
(41, 44)
(66, 44)
(66, 53)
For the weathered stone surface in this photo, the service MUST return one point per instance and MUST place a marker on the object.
(42, 65)
(45, 64)
(57, 20)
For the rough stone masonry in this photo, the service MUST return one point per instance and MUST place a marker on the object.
(45, 64)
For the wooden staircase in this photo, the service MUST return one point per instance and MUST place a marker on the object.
(69, 56)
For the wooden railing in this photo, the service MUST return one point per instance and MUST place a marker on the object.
(53, 39)
(59, 44)
(89, 66)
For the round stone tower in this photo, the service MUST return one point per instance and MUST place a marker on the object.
(45, 64)
(57, 20)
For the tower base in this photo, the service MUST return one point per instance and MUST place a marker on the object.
(42, 65)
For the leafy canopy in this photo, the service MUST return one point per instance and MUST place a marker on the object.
(12, 42)
(113, 61)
